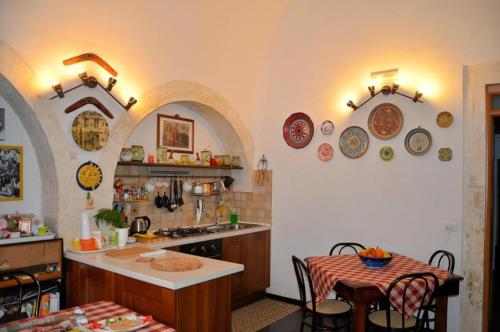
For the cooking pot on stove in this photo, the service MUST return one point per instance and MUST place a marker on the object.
(140, 225)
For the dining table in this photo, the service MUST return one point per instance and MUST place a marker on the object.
(362, 286)
(94, 312)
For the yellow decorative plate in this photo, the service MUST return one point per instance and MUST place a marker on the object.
(89, 176)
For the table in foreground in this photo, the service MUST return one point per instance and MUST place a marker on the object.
(94, 311)
(348, 268)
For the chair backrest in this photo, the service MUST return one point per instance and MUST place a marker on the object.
(16, 276)
(304, 282)
(443, 259)
(349, 247)
(407, 282)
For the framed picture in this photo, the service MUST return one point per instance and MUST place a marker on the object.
(25, 226)
(11, 173)
(175, 133)
(2, 124)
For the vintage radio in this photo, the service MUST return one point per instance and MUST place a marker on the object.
(43, 258)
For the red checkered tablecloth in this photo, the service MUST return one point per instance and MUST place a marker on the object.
(97, 311)
(327, 270)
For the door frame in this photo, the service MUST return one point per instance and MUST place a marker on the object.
(490, 91)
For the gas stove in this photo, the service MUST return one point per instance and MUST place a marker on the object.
(177, 233)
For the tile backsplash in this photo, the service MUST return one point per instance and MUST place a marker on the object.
(255, 206)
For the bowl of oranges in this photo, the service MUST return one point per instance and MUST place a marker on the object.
(375, 257)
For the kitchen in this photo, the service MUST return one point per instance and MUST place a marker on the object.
(239, 82)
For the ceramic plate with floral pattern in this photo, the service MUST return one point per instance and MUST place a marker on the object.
(385, 121)
(298, 130)
(353, 142)
(325, 152)
(327, 127)
(386, 153)
(418, 141)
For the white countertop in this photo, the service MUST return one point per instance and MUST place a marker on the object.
(211, 268)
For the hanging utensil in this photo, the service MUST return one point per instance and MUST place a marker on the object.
(158, 201)
(261, 175)
(166, 202)
(181, 200)
(173, 199)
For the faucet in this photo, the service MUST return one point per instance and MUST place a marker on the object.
(219, 210)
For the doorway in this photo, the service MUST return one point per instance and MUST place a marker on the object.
(491, 321)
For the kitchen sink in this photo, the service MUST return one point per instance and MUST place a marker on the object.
(230, 227)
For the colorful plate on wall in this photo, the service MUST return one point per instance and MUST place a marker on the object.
(444, 119)
(445, 154)
(327, 127)
(386, 153)
(89, 176)
(385, 121)
(90, 131)
(418, 141)
(298, 130)
(325, 152)
(353, 142)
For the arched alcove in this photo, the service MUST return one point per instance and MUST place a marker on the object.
(220, 115)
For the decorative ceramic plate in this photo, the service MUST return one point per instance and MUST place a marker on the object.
(89, 176)
(418, 141)
(444, 119)
(90, 131)
(386, 153)
(325, 152)
(385, 121)
(298, 130)
(353, 142)
(327, 127)
(445, 154)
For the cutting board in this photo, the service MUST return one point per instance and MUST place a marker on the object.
(176, 264)
(128, 252)
(150, 240)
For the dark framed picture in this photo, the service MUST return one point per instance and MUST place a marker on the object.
(11, 173)
(2, 124)
(175, 133)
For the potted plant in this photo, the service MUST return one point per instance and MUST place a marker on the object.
(118, 226)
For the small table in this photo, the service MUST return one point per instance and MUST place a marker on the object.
(342, 274)
(94, 311)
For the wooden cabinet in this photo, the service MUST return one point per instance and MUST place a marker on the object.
(253, 251)
(204, 307)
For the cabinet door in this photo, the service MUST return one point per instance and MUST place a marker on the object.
(257, 261)
(232, 251)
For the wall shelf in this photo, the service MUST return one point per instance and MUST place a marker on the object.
(132, 163)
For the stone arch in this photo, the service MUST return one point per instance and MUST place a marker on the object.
(223, 118)
(17, 87)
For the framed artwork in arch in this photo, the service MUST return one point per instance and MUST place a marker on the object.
(11, 173)
(175, 133)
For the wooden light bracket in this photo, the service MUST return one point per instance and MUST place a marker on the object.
(92, 82)
(386, 90)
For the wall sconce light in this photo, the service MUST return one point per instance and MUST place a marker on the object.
(111, 83)
(417, 96)
(131, 102)
(395, 88)
(372, 90)
(352, 105)
(58, 89)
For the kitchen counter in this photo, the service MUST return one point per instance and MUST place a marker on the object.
(211, 268)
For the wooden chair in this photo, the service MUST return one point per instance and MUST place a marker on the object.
(444, 260)
(19, 295)
(317, 312)
(392, 320)
(348, 246)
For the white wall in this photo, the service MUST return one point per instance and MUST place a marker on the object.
(320, 57)
(204, 135)
(15, 134)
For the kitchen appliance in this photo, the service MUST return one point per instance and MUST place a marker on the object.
(140, 225)
(176, 233)
(209, 249)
